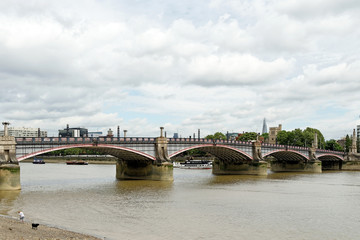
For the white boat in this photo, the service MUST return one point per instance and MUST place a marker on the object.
(176, 164)
(196, 164)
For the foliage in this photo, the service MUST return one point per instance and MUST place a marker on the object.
(348, 143)
(321, 139)
(265, 136)
(195, 153)
(248, 136)
(300, 138)
(333, 145)
(282, 137)
(217, 135)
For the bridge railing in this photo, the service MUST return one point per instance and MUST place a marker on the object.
(204, 141)
(44, 140)
(330, 151)
(283, 146)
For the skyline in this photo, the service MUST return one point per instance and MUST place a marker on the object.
(210, 65)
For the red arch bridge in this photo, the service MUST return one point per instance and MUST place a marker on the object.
(137, 156)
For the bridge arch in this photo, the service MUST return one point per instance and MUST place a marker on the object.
(222, 152)
(330, 161)
(287, 155)
(329, 157)
(116, 151)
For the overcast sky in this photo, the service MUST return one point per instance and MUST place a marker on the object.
(214, 65)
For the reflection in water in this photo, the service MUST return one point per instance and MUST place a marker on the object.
(124, 186)
(234, 179)
(7, 199)
(288, 175)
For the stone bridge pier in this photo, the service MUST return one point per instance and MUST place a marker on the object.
(9, 166)
(147, 169)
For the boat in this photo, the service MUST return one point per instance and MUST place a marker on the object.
(196, 164)
(75, 162)
(176, 164)
(38, 161)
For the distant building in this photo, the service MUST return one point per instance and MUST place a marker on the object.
(232, 136)
(273, 131)
(95, 134)
(341, 142)
(358, 137)
(25, 132)
(110, 133)
(264, 128)
(73, 132)
(176, 135)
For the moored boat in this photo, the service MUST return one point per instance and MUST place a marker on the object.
(75, 162)
(196, 164)
(176, 164)
(38, 161)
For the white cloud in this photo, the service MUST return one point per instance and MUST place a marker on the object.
(218, 66)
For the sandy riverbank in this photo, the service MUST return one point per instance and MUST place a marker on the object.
(13, 229)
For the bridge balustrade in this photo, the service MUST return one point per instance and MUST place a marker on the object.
(38, 140)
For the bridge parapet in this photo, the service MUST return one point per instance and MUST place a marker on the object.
(324, 151)
(40, 140)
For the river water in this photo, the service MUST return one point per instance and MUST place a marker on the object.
(197, 205)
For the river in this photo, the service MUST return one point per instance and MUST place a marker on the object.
(197, 205)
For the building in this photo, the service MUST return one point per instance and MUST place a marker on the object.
(341, 142)
(73, 132)
(232, 136)
(273, 131)
(264, 128)
(110, 133)
(25, 132)
(176, 135)
(358, 137)
(95, 134)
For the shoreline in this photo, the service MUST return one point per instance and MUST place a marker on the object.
(12, 228)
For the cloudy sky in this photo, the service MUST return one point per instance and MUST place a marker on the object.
(214, 65)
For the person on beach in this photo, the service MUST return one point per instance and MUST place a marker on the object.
(21, 215)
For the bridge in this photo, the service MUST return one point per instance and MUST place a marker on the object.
(150, 158)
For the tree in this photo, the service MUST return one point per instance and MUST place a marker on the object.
(333, 145)
(348, 143)
(308, 138)
(209, 136)
(265, 136)
(300, 138)
(282, 137)
(195, 153)
(321, 139)
(217, 135)
(248, 136)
